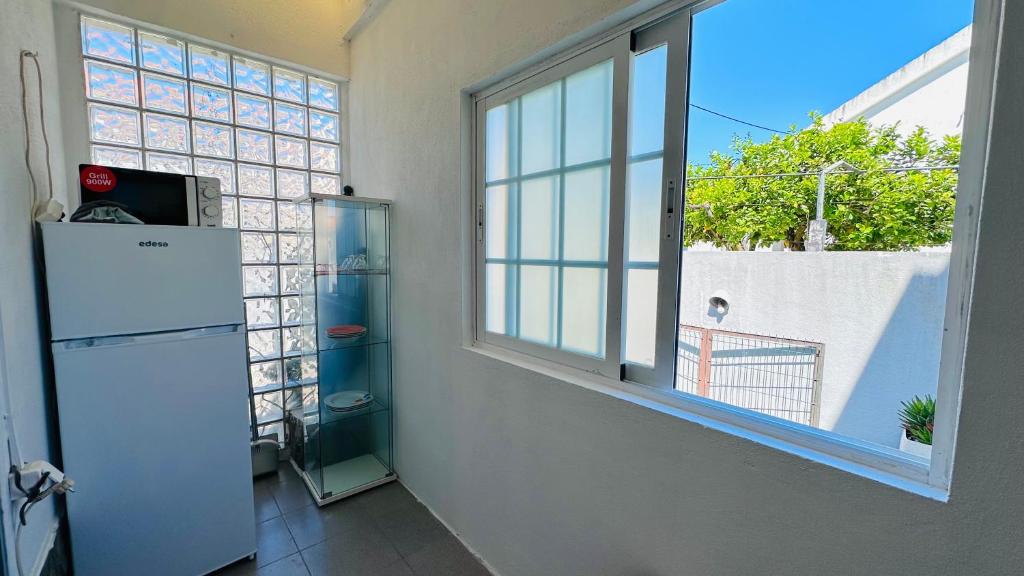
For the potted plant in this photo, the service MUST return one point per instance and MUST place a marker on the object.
(917, 420)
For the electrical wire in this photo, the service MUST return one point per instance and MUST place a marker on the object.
(34, 56)
(734, 119)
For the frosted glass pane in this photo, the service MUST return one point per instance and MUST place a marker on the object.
(273, 431)
(169, 133)
(323, 94)
(255, 180)
(296, 279)
(583, 310)
(291, 216)
(255, 215)
(290, 119)
(323, 125)
(292, 340)
(212, 139)
(265, 375)
(211, 103)
(538, 302)
(293, 308)
(258, 247)
(259, 280)
(110, 83)
(541, 128)
(219, 169)
(289, 85)
(114, 125)
(261, 313)
(288, 246)
(499, 279)
(117, 157)
(498, 225)
(268, 407)
(252, 76)
(291, 183)
(163, 93)
(325, 157)
(229, 212)
(264, 344)
(253, 146)
(647, 123)
(108, 40)
(643, 206)
(500, 148)
(252, 111)
(324, 184)
(209, 65)
(290, 151)
(586, 215)
(538, 223)
(588, 115)
(161, 53)
(168, 163)
(641, 315)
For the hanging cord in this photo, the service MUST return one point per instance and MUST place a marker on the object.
(34, 56)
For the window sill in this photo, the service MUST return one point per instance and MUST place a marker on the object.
(885, 465)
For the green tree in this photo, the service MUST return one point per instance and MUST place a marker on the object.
(732, 205)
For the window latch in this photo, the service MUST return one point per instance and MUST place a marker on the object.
(480, 216)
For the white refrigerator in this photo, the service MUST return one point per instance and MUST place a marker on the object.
(150, 362)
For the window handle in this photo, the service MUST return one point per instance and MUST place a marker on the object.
(670, 205)
(481, 214)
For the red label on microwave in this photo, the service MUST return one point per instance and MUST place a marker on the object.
(98, 178)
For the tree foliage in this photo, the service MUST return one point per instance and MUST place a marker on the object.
(873, 210)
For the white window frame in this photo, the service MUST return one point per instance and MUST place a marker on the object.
(653, 389)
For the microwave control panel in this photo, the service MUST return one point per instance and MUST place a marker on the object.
(208, 196)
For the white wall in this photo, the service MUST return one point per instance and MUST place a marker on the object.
(26, 24)
(544, 477)
(879, 315)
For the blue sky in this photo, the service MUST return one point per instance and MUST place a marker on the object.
(770, 62)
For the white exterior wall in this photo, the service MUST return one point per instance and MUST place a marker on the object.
(543, 477)
(879, 315)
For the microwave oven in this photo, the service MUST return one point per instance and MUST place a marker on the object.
(154, 197)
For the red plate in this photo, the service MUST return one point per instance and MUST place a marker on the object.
(346, 331)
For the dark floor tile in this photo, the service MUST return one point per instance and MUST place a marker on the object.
(399, 568)
(411, 528)
(290, 566)
(273, 541)
(290, 493)
(384, 499)
(311, 525)
(447, 557)
(266, 506)
(241, 568)
(364, 553)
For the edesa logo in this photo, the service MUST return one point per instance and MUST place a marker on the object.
(153, 244)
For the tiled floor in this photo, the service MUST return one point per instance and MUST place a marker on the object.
(381, 532)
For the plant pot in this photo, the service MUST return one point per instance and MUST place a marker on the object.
(914, 447)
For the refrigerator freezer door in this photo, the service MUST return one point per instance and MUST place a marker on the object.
(155, 434)
(108, 279)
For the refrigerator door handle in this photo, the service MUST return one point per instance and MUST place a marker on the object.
(150, 338)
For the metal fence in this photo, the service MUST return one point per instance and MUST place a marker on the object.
(774, 376)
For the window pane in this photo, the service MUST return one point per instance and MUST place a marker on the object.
(223, 171)
(324, 184)
(323, 125)
(501, 135)
(588, 115)
(229, 211)
(257, 247)
(289, 118)
(295, 279)
(255, 215)
(268, 407)
(289, 85)
(499, 244)
(163, 93)
(211, 103)
(162, 54)
(538, 223)
(643, 193)
(647, 121)
(110, 83)
(261, 313)
(583, 310)
(252, 76)
(208, 65)
(291, 183)
(259, 280)
(166, 132)
(499, 318)
(323, 94)
(293, 308)
(641, 315)
(541, 126)
(538, 303)
(108, 40)
(586, 215)
(324, 157)
(291, 340)
(253, 146)
(265, 375)
(212, 139)
(114, 125)
(290, 151)
(255, 180)
(292, 217)
(117, 157)
(168, 163)
(252, 111)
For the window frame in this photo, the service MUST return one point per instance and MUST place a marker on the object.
(932, 478)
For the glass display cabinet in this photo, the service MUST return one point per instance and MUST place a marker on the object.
(340, 430)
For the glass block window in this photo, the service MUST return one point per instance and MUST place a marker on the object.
(267, 132)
